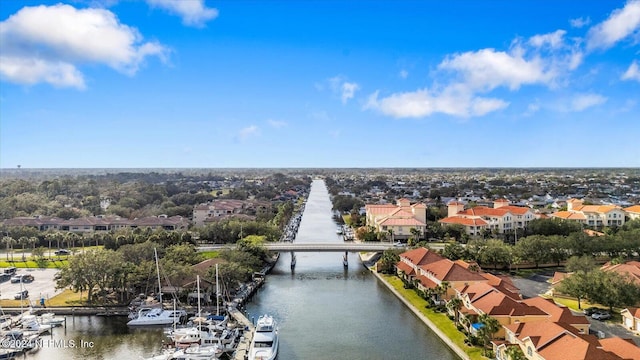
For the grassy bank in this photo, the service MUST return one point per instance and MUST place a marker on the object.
(30, 264)
(440, 320)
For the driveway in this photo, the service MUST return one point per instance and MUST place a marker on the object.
(611, 329)
(532, 286)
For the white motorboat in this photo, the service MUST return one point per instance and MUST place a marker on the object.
(197, 352)
(157, 317)
(51, 319)
(264, 345)
(30, 323)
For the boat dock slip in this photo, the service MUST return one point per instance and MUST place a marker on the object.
(242, 351)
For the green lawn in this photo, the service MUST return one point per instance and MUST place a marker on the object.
(347, 219)
(573, 305)
(30, 264)
(439, 319)
(210, 254)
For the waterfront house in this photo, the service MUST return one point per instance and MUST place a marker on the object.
(436, 274)
(482, 298)
(397, 220)
(631, 318)
(550, 340)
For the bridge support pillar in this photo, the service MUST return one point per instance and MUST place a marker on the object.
(293, 260)
(345, 259)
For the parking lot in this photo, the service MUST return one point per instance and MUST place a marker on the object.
(43, 284)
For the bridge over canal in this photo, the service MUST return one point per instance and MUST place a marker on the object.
(314, 247)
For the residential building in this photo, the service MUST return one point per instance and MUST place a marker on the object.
(98, 223)
(398, 219)
(501, 218)
(216, 208)
(631, 318)
(431, 270)
(633, 212)
(592, 215)
(551, 340)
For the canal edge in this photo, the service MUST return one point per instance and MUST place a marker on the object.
(456, 349)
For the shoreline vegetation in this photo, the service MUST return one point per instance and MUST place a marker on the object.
(439, 323)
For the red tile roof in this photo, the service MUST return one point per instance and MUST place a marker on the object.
(463, 221)
(560, 341)
(447, 270)
(421, 256)
(557, 313)
(624, 348)
(633, 209)
(408, 269)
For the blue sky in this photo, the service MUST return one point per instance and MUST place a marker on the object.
(163, 83)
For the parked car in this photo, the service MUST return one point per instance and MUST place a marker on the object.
(399, 244)
(21, 295)
(63, 252)
(21, 278)
(589, 311)
(601, 315)
(4, 277)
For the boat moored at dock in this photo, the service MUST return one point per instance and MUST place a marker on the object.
(264, 345)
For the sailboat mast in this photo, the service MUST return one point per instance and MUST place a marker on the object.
(217, 293)
(155, 251)
(198, 280)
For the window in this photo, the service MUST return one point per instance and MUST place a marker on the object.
(529, 351)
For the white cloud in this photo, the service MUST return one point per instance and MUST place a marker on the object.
(584, 101)
(32, 70)
(622, 23)
(403, 74)
(554, 40)
(532, 108)
(346, 90)
(580, 22)
(276, 123)
(248, 131)
(193, 12)
(632, 73)
(454, 101)
(46, 43)
(487, 69)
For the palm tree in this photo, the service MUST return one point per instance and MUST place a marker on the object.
(9, 241)
(441, 290)
(23, 240)
(489, 327)
(454, 305)
(416, 234)
(515, 353)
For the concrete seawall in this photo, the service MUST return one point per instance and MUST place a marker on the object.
(455, 348)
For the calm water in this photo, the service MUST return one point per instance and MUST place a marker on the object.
(324, 311)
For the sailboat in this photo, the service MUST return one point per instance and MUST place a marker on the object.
(157, 316)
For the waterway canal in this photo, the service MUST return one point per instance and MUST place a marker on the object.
(327, 312)
(324, 311)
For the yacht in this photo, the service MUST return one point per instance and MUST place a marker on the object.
(197, 352)
(264, 345)
(157, 316)
(150, 317)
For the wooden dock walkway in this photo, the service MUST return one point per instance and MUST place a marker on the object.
(242, 351)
